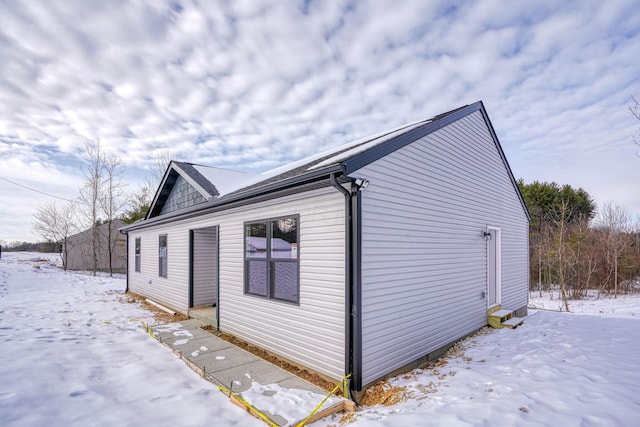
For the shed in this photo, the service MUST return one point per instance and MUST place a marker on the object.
(78, 253)
(367, 259)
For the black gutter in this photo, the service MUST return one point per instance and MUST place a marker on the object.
(297, 184)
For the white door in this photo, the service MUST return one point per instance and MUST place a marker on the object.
(493, 266)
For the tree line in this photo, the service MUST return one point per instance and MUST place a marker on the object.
(576, 247)
(17, 246)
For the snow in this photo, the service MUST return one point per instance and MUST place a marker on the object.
(225, 180)
(558, 369)
(231, 181)
(73, 354)
(602, 305)
(359, 146)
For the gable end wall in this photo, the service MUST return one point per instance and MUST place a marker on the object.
(423, 256)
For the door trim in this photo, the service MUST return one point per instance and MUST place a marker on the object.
(498, 245)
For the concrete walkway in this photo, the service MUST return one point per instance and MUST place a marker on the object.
(284, 397)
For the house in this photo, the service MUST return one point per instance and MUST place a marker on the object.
(367, 259)
(78, 254)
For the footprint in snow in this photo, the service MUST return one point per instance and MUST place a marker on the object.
(197, 352)
(164, 399)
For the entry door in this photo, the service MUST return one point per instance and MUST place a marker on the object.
(493, 266)
(204, 267)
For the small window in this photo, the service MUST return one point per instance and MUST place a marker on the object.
(138, 254)
(271, 259)
(162, 256)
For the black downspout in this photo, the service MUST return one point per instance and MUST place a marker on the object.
(218, 278)
(351, 355)
(191, 261)
(126, 289)
(356, 286)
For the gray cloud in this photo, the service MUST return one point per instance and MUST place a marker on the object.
(253, 84)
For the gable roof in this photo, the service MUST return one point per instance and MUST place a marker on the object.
(342, 160)
(200, 177)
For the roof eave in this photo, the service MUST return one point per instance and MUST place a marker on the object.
(239, 197)
(159, 190)
(375, 153)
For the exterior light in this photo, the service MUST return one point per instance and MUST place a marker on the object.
(362, 183)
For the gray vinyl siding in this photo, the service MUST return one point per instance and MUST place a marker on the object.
(205, 247)
(424, 265)
(310, 333)
(173, 290)
(79, 249)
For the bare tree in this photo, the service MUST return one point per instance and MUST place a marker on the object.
(614, 223)
(635, 110)
(141, 199)
(91, 193)
(113, 200)
(563, 249)
(55, 225)
(586, 260)
(162, 160)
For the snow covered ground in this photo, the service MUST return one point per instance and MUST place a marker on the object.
(558, 369)
(601, 305)
(72, 355)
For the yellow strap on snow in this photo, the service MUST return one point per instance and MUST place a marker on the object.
(148, 329)
(254, 410)
(332, 392)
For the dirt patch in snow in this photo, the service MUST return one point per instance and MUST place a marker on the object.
(160, 315)
(288, 366)
(383, 393)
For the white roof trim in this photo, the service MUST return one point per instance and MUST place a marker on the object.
(194, 184)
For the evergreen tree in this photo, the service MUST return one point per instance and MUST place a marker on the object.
(549, 202)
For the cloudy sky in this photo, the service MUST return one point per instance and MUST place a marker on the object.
(250, 85)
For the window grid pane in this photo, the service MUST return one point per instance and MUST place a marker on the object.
(284, 238)
(285, 280)
(257, 277)
(137, 258)
(162, 256)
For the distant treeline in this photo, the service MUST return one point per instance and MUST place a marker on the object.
(577, 247)
(43, 247)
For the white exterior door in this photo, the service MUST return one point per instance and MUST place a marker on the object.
(493, 266)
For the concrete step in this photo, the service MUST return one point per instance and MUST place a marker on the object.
(205, 315)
